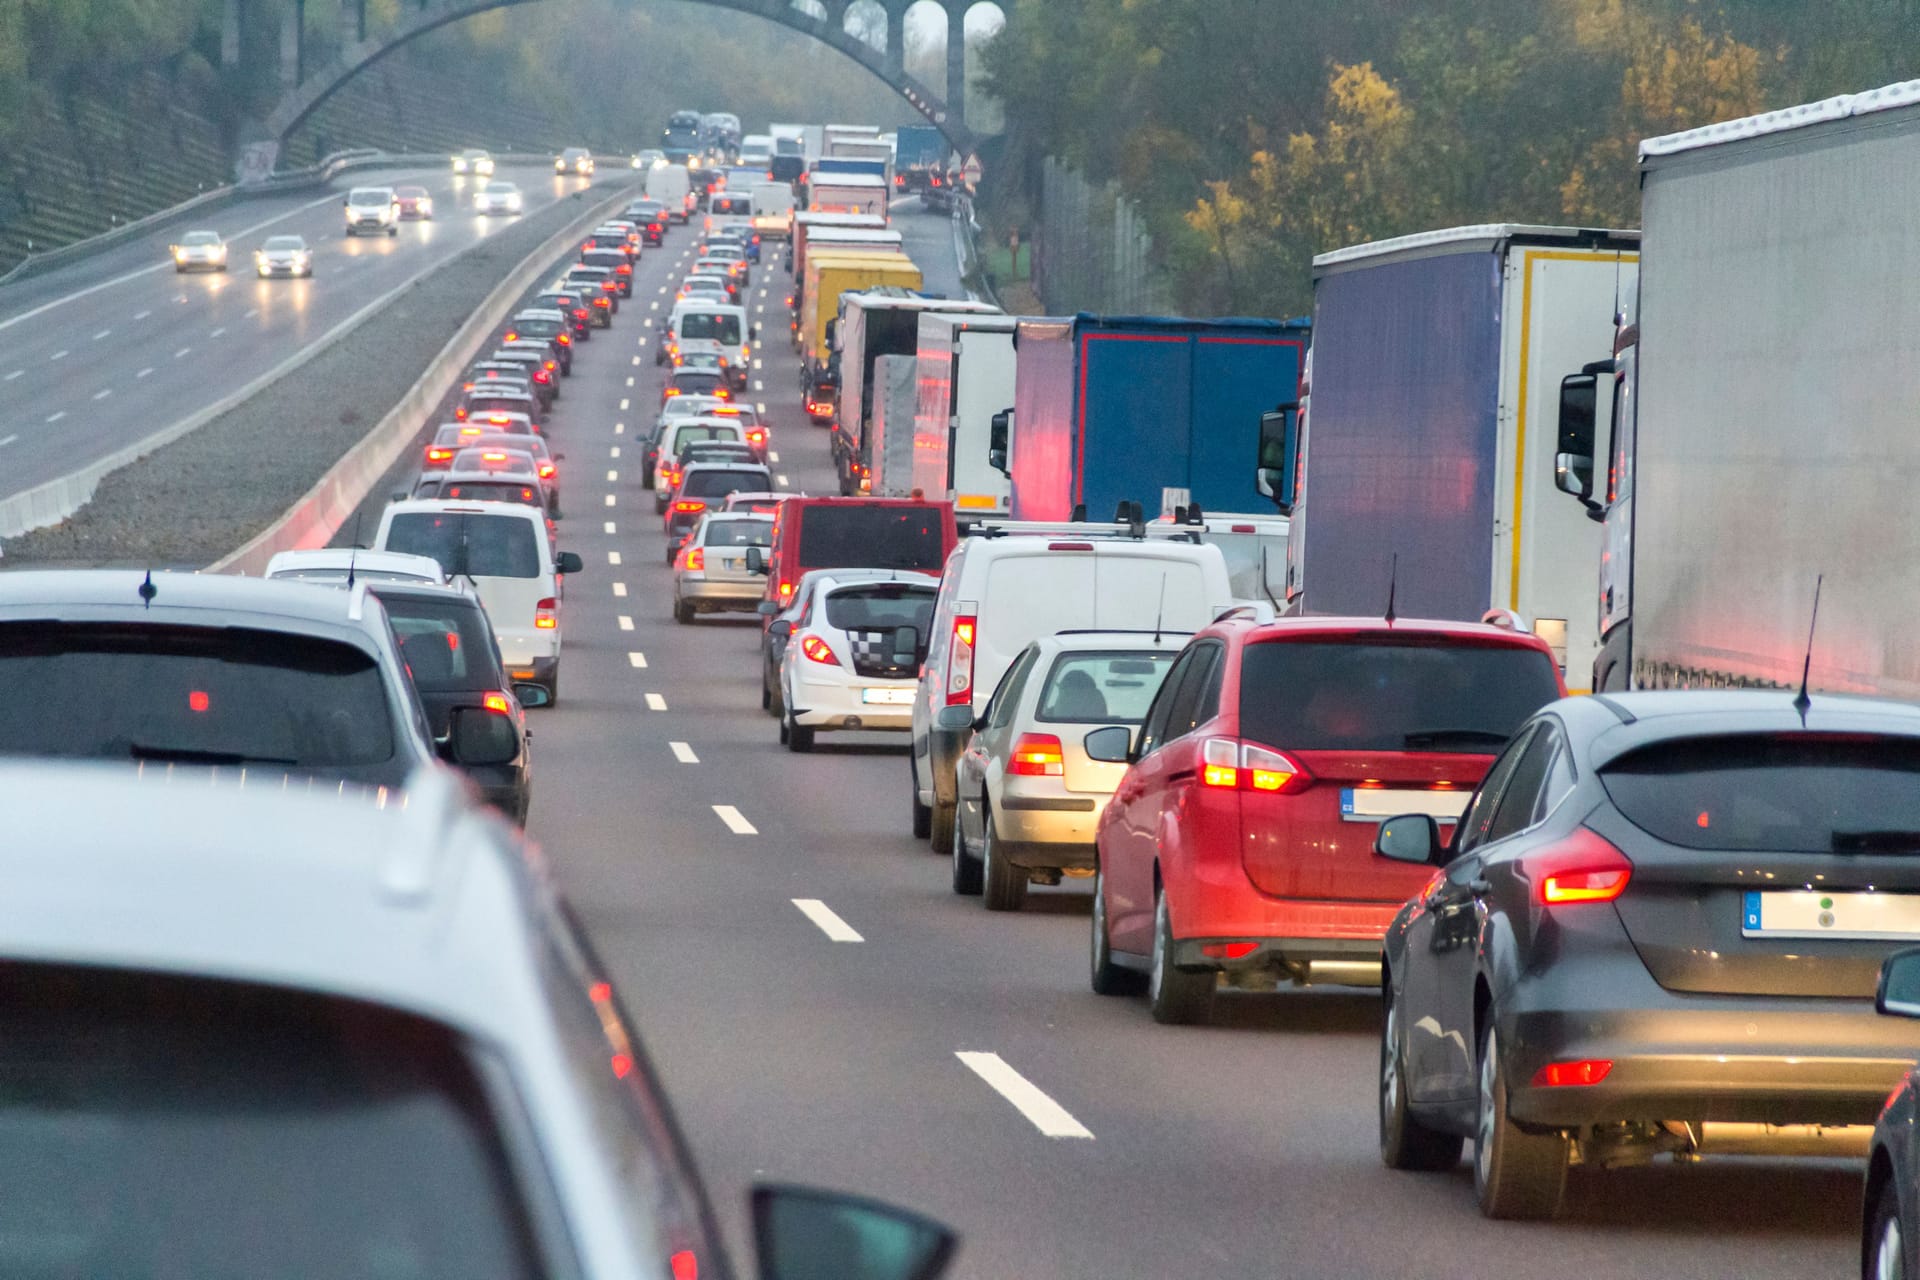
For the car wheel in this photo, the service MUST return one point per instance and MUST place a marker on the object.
(1174, 996)
(966, 867)
(1516, 1174)
(646, 477)
(392, 232)
(660, 501)
(1109, 979)
(553, 686)
(1005, 884)
(799, 736)
(922, 813)
(1886, 1245)
(682, 612)
(1405, 1141)
(673, 552)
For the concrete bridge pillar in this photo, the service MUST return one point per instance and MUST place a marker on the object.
(230, 35)
(957, 61)
(896, 39)
(353, 21)
(293, 36)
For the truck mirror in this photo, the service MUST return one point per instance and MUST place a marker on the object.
(833, 328)
(1573, 455)
(1277, 468)
(999, 436)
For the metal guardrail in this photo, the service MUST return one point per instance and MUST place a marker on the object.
(966, 248)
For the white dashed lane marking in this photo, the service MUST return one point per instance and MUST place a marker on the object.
(103, 393)
(684, 753)
(656, 703)
(1048, 1116)
(626, 622)
(56, 415)
(637, 660)
(58, 355)
(104, 333)
(609, 526)
(830, 923)
(613, 557)
(144, 373)
(609, 499)
(613, 475)
(735, 820)
(181, 352)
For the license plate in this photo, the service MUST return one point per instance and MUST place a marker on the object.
(891, 697)
(1371, 804)
(1802, 913)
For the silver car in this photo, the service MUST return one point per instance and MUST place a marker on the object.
(199, 250)
(1029, 795)
(710, 574)
(351, 1031)
(498, 197)
(283, 256)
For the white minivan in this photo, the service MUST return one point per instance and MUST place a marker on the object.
(1001, 593)
(504, 550)
(705, 326)
(670, 185)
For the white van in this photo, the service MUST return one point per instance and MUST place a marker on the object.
(772, 210)
(756, 151)
(703, 326)
(1000, 593)
(503, 549)
(670, 185)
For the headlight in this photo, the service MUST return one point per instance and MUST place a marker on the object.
(179, 255)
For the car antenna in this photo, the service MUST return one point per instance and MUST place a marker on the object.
(354, 554)
(148, 591)
(1266, 582)
(1803, 702)
(1160, 613)
(1393, 582)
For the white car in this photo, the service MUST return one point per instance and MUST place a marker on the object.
(498, 197)
(199, 249)
(331, 566)
(283, 256)
(374, 209)
(852, 662)
(710, 574)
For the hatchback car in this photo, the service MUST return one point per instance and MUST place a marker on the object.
(498, 196)
(487, 474)
(851, 664)
(704, 486)
(474, 161)
(615, 261)
(416, 204)
(575, 162)
(697, 382)
(489, 398)
(710, 574)
(1657, 929)
(651, 216)
(283, 256)
(199, 251)
(1241, 839)
(1029, 795)
(573, 305)
(546, 325)
(781, 620)
(675, 435)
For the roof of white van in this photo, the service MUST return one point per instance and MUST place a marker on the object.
(1888, 98)
(1472, 239)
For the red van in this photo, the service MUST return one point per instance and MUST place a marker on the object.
(854, 533)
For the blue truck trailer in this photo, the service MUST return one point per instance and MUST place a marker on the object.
(1163, 411)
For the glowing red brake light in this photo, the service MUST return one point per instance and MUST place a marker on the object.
(546, 614)
(1036, 755)
(786, 592)
(546, 471)
(510, 336)
(816, 649)
(684, 1265)
(1242, 766)
(690, 504)
(694, 558)
(960, 659)
(497, 702)
(1584, 867)
(439, 455)
(1559, 1075)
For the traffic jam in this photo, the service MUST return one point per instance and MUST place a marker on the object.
(1237, 664)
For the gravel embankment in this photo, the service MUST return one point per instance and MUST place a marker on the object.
(198, 498)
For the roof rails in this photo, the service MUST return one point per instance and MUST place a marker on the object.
(1122, 631)
(1133, 528)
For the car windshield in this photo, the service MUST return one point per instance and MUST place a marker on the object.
(485, 546)
(710, 326)
(871, 536)
(159, 1125)
(1390, 694)
(208, 695)
(739, 533)
(200, 239)
(370, 195)
(501, 188)
(276, 243)
(718, 484)
(1781, 793)
(882, 606)
(446, 642)
(1102, 688)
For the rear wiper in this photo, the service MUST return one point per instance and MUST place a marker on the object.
(1427, 737)
(187, 755)
(1880, 841)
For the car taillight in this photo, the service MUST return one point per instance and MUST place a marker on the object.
(786, 592)
(1242, 766)
(689, 504)
(1584, 867)
(625, 269)
(684, 1265)
(1559, 1075)
(816, 649)
(580, 313)
(756, 437)
(497, 702)
(509, 336)
(546, 471)
(439, 455)
(460, 413)
(960, 659)
(492, 456)
(546, 614)
(1036, 755)
(601, 301)
(566, 339)
(695, 558)
(542, 377)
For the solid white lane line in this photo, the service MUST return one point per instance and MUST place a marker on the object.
(15, 374)
(830, 923)
(637, 660)
(656, 703)
(609, 499)
(609, 526)
(103, 393)
(613, 475)
(684, 753)
(1048, 1116)
(58, 355)
(104, 333)
(626, 623)
(613, 557)
(56, 415)
(181, 352)
(735, 820)
(144, 372)
(9, 440)
(620, 589)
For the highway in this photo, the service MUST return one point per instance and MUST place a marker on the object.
(808, 985)
(101, 353)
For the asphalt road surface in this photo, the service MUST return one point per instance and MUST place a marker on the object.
(827, 1045)
(109, 350)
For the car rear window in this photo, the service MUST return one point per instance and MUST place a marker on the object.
(1390, 695)
(490, 491)
(1102, 688)
(478, 403)
(690, 435)
(158, 1125)
(882, 606)
(1786, 793)
(732, 205)
(739, 533)
(210, 695)
(717, 484)
(870, 537)
(695, 380)
(486, 546)
(710, 327)
(446, 643)
(608, 257)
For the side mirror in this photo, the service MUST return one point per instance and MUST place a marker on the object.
(1573, 453)
(568, 562)
(1412, 837)
(800, 1233)
(753, 331)
(756, 562)
(766, 608)
(954, 719)
(1111, 745)
(779, 627)
(1899, 991)
(533, 695)
(481, 737)
(1277, 469)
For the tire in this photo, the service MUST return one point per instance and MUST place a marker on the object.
(799, 736)
(392, 232)
(966, 867)
(1405, 1141)
(766, 694)
(682, 612)
(1516, 1174)
(1886, 1253)
(646, 478)
(922, 813)
(1109, 979)
(1174, 997)
(553, 686)
(660, 501)
(673, 552)
(1004, 885)
(941, 825)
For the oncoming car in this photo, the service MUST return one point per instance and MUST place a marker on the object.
(474, 161)
(576, 161)
(283, 256)
(498, 197)
(415, 203)
(199, 251)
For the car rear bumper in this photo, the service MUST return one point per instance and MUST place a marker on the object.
(720, 593)
(521, 650)
(1041, 826)
(1219, 902)
(835, 704)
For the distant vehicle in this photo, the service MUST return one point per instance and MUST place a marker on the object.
(920, 159)
(965, 374)
(498, 197)
(703, 487)
(710, 574)
(855, 533)
(697, 382)
(772, 205)
(283, 256)
(570, 304)
(605, 279)
(756, 151)
(722, 329)
(673, 434)
(574, 161)
(199, 251)
(475, 162)
(653, 219)
(615, 261)
(332, 566)
(781, 620)
(673, 188)
(544, 325)
(648, 158)
(541, 365)
(532, 443)
(486, 474)
(487, 397)
(681, 139)
(375, 209)
(871, 325)
(850, 664)
(789, 161)
(415, 203)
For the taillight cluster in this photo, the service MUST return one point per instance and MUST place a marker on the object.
(689, 505)
(546, 614)
(1036, 755)
(966, 627)
(694, 558)
(1584, 867)
(817, 650)
(1241, 766)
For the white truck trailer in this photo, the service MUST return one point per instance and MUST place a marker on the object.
(895, 393)
(966, 368)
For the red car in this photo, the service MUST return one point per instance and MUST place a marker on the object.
(1241, 839)
(415, 203)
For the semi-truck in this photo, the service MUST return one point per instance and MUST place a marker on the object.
(1755, 433)
(681, 138)
(829, 276)
(920, 154)
(966, 373)
(1429, 453)
(847, 193)
(891, 426)
(872, 324)
(1162, 411)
